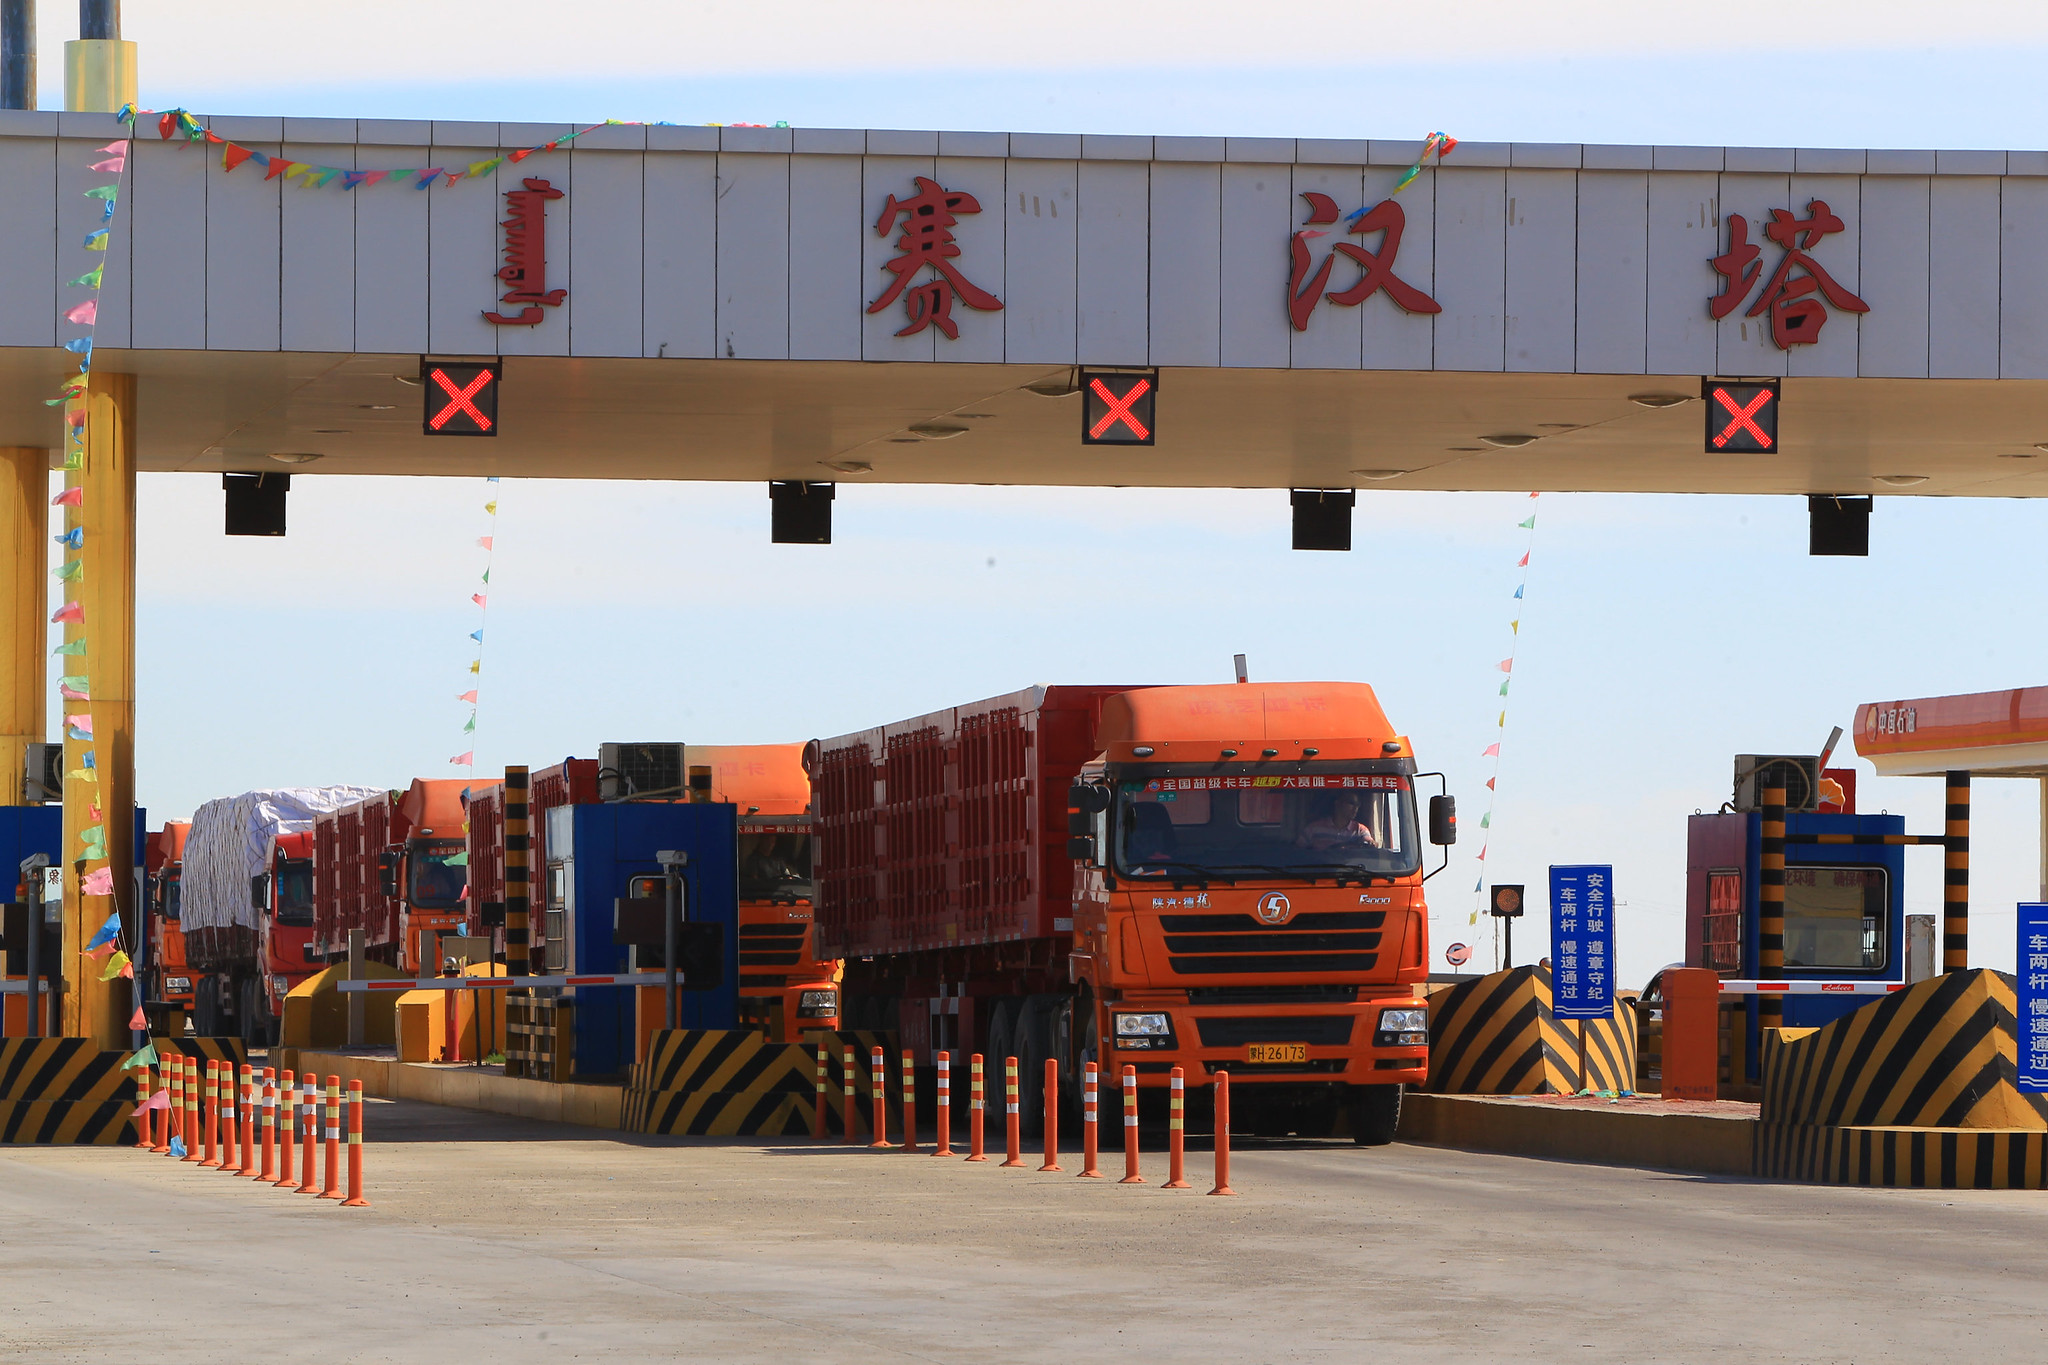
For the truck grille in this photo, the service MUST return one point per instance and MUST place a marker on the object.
(1329, 1030)
(1314, 1065)
(1220, 945)
(1272, 995)
(772, 945)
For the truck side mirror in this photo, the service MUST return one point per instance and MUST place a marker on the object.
(1443, 820)
(387, 873)
(259, 891)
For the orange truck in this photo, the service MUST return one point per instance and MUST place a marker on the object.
(1209, 877)
(784, 987)
(392, 864)
(170, 973)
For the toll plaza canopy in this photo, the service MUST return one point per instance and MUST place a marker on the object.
(1991, 734)
(774, 303)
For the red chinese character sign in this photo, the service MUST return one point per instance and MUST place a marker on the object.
(526, 255)
(928, 243)
(1796, 315)
(1306, 288)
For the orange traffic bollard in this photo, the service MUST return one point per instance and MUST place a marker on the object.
(1010, 1120)
(268, 1173)
(139, 1116)
(355, 1198)
(1089, 1076)
(945, 1104)
(288, 1115)
(1223, 1134)
(213, 1067)
(909, 1103)
(977, 1107)
(248, 1117)
(846, 1105)
(818, 1105)
(194, 1100)
(309, 1115)
(1131, 1176)
(1052, 1116)
(331, 1131)
(1176, 1133)
(878, 1072)
(174, 1081)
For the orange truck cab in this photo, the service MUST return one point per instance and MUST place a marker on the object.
(424, 872)
(172, 975)
(287, 925)
(1248, 897)
(784, 987)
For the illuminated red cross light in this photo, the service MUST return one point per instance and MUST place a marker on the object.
(459, 399)
(1119, 409)
(1742, 417)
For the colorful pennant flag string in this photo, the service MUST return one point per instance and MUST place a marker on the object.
(1439, 144)
(482, 598)
(1507, 668)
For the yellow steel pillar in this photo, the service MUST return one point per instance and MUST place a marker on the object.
(24, 629)
(105, 589)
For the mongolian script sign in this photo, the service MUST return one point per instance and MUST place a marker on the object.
(526, 255)
(1376, 268)
(1796, 316)
(927, 242)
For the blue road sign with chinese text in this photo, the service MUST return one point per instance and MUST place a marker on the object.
(2030, 974)
(1582, 941)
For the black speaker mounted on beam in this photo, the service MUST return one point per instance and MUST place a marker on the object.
(1837, 526)
(256, 503)
(800, 513)
(1322, 517)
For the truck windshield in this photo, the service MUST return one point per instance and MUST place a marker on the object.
(432, 883)
(295, 891)
(173, 901)
(775, 865)
(1253, 826)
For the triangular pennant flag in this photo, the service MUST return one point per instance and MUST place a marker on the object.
(107, 931)
(1515, 627)
(1504, 687)
(70, 693)
(113, 148)
(1528, 525)
(96, 240)
(351, 179)
(1523, 562)
(1486, 820)
(1492, 750)
(467, 760)
(100, 883)
(83, 346)
(490, 478)
(458, 860)
(160, 1100)
(487, 575)
(73, 460)
(81, 726)
(427, 178)
(476, 168)
(470, 728)
(84, 774)
(469, 696)
(477, 598)
(1489, 784)
(166, 125)
(1518, 589)
(234, 155)
(106, 192)
(1507, 665)
(279, 166)
(1503, 720)
(138, 1022)
(477, 636)
(71, 647)
(177, 1147)
(372, 177)
(69, 570)
(111, 165)
(84, 314)
(90, 278)
(483, 542)
(475, 665)
(114, 964)
(1482, 854)
(72, 539)
(490, 507)
(321, 177)
(108, 215)
(91, 758)
(68, 614)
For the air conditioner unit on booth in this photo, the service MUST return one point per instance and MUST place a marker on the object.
(627, 772)
(1799, 774)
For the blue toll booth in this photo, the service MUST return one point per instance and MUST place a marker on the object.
(1845, 905)
(598, 854)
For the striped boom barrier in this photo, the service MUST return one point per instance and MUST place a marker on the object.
(1497, 1036)
(1813, 987)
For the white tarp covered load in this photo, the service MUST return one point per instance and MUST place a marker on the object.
(230, 842)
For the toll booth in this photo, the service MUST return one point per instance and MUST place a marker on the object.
(600, 854)
(24, 832)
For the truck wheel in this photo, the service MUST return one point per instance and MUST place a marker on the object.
(1002, 1037)
(1375, 1114)
(1034, 1045)
(206, 1006)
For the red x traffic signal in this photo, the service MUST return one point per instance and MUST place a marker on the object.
(461, 397)
(1742, 418)
(1119, 407)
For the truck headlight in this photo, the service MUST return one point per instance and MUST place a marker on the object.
(178, 983)
(1403, 1028)
(1141, 1025)
(817, 1004)
(280, 986)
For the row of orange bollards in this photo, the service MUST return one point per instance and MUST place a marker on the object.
(206, 1115)
(1176, 1116)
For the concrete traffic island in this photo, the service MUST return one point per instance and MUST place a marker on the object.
(461, 1085)
(1711, 1137)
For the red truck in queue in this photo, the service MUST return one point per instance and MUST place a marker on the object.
(1210, 877)
(170, 974)
(391, 866)
(785, 988)
(571, 782)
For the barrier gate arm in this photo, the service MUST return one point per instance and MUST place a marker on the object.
(1813, 987)
(500, 983)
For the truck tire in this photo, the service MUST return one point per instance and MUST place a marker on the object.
(248, 1008)
(1002, 1038)
(1375, 1114)
(1034, 1045)
(206, 1006)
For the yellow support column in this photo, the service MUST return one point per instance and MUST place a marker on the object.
(24, 634)
(106, 590)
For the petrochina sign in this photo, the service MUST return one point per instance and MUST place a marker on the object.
(526, 256)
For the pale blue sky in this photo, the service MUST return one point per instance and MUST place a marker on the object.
(1662, 635)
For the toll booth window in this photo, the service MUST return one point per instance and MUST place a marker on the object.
(1228, 827)
(558, 901)
(433, 883)
(775, 865)
(1721, 931)
(1836, 918)
(295, 891)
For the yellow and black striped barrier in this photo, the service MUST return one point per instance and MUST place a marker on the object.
(1915, 1089)
(1497, 1036)
(63, 1090)
(232, 1050)
(735, 1083)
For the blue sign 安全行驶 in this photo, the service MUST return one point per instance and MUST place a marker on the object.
(1582, 941)
(2030, 1009)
